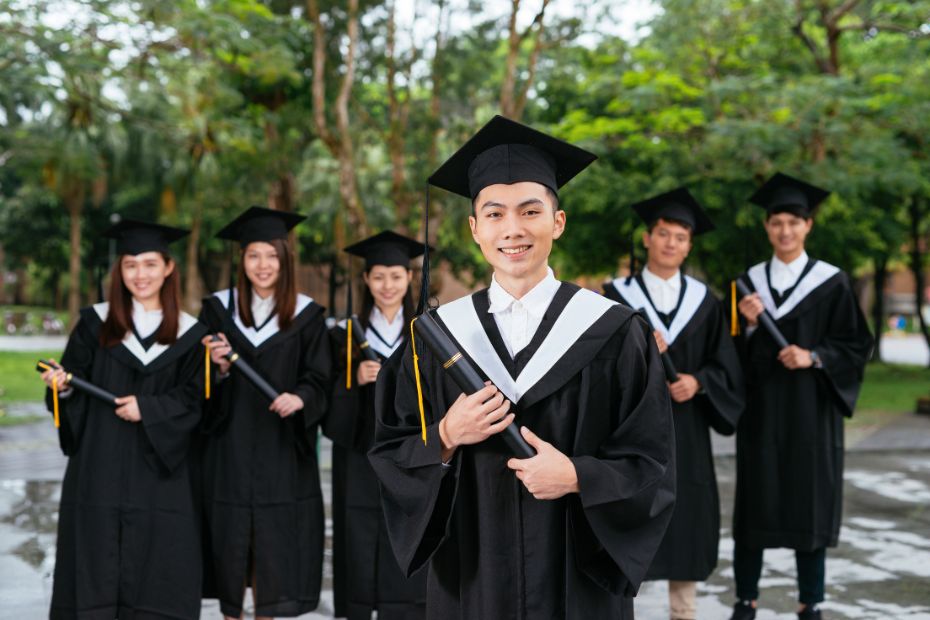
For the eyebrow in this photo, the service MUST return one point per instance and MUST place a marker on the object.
(525, 203)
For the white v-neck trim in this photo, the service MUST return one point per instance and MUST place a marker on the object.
(695, 291)
(819, 273)
(269, 329)
(132, 344)
(579, 314)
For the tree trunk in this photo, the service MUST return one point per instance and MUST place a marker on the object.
(193, 284)
(916, 212)
(878, 304)
(74, 203)
(510, 68)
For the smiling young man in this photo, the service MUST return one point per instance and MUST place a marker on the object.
(567, 533)
(789, 450)
(691, 329)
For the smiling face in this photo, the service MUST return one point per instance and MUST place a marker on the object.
(388, 285)
(787, 233)
(515, 225)
(667, 244)
(144, 274)
(262, 266)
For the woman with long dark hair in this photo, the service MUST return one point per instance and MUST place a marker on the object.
(262, 498)
(128, 534)
(366, 576)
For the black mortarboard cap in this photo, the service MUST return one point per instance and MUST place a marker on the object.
(134, 237)
(260, 224)
(678, 205)
(506, 152)
(386, 248)
(784, 193)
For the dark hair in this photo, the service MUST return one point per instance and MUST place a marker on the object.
(368, 304)
(285, 290)
(671, 220)
(796, 211)
(119, 318)
(554, 197)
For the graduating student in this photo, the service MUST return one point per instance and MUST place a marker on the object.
(262, 498)
(366, 576)
(789, 476)
(128, 534)
(567, 533)
(689, 327)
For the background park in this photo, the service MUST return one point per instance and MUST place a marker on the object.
(187, 112)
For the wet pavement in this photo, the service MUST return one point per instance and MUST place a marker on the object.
(880, 570)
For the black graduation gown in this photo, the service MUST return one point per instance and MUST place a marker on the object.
(128, 532)
(790, 440)
(494, 551)
(700, 346)
(261, 478)
(366, 576)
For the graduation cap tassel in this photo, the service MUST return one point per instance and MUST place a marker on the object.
(422, 306)
(734, 318)
(349, 330)
(416, 373)
(206, 374)
(55, 401)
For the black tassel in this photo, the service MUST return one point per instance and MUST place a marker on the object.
(423, 302)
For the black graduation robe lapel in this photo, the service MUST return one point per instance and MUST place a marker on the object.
(630, 292)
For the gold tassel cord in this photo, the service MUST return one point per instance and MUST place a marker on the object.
(55, 401)
(349, 354)
(416, 373)
(206, 374)
(734, 317)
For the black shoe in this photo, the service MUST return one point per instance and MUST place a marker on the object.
(743, 610)
(811, 612)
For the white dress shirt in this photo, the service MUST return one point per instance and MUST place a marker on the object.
(390, 331)
(785, 275)
(145, 321)
(261, 309)
(518, 319)
(663, 293)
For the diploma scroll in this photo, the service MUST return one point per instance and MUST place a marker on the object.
(765, 318)
(249, 373)
(79, 384)
(358, 335)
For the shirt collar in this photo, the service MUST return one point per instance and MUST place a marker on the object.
(138, 310)
(535, 301)
(377, 316)
(674, 283)
(795, 267)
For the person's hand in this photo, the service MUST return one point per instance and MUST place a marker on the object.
(548, 475)
(128, 409)
(218, 350)
(56, 374)
(472, 419)
(684, 389)
(794, 357)
(367, 372)
(751, 307)
(287, 404)
(660, 342)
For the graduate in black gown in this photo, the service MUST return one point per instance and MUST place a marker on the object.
(128, 532)
(262, 498)
(690, 327)
(366, 576)
(789, 447)
(570, 532)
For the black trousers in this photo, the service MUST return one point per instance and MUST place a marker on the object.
(811, 565)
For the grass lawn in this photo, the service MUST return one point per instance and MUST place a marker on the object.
(889, 390)
(18, 378)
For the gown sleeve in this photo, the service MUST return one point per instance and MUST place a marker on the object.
(845, 348)
(417, 490)
(78, 359)
(721, 376)
(627, 488)
(314, 376)
(169, 418)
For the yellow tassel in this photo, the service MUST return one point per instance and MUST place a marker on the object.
(55, 401)
(206, 374)
(734, 322)
(349, 354)
(416, 372)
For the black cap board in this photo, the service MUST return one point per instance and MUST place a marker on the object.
(386, 248)
(678, 205)
(506, 152)
(783, 193)
(134, 237)
(260, 224)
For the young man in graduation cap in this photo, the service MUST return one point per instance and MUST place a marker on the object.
(705, 382)
(789, 477)
(567, 533)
